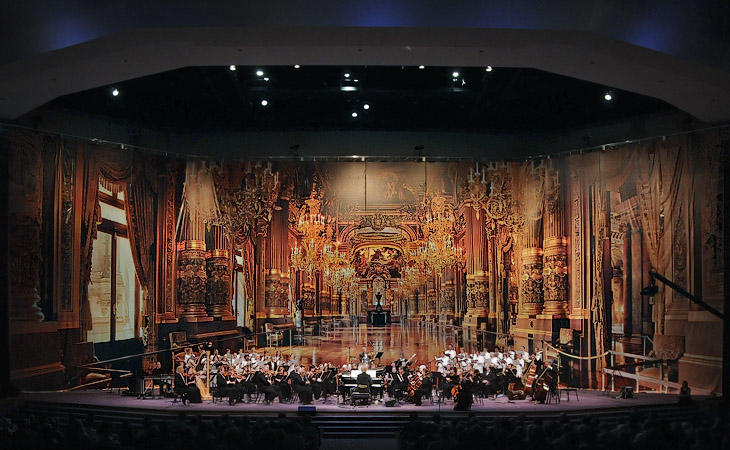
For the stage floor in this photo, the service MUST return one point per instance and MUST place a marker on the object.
(588, 401)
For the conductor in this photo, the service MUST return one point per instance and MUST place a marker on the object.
(365, 356)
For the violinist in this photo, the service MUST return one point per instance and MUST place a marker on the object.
(247, 384)
(281, 380)
(301, 385)
(422, 381)
(329, 380)
(489, 382)
(263, 384)
(314, 375)
(399, 383)
(465, 396)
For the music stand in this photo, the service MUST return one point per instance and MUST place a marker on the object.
(378, 355)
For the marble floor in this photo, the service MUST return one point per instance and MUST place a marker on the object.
(345, 344)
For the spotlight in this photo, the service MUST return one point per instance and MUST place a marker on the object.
(260, 73)
(421, 67)
(115, 92)
(455, 74)
(348, 85)
(266, 78)
(296, 66)
(354, 114)
(488, 69)
(366, 106)
(232, 68)
(608, 96)
(347, 75)
(264, 102)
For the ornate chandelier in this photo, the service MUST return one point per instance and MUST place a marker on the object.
(315, 236)
(476, 193)
(439, 224)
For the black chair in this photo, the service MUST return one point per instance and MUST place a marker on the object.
(361, 394)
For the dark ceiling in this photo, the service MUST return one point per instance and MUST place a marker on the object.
(399, 98)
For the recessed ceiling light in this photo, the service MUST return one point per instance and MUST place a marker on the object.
(232, 67)
(266, 78)
(115, 92)
(455, 74)
(260, 73)
(366, 106)
(488, 69)
(421, 66)
(347, 75)
(264, 102)
(296, 66)
(608, 96)
(354, 114)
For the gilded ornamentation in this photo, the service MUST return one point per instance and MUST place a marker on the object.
(24, 261)
(532, 281)
(277, 293)
(378, 221)
(431, 301)
(555, 277)
(679, 253)
(192, 279)
(308, 300)
(448, 298)
(477, 295)
(218, 287)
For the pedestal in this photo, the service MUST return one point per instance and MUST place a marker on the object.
(532, 281)
(555, 277)
(218, 285)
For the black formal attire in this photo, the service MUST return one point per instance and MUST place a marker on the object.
(248, 386)
(364, 382)
(398, 386)
(423, 391)
(329, 383)
(263, 386)
(317, 386)
(490, 387)
(300, 386)
(449, 382)
(465, 397)
(180, 388)
(282, 382)
(222, 386)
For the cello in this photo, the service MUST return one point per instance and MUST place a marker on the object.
(414, 385)
(530, 380)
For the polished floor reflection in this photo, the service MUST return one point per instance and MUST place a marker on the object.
(345, 344)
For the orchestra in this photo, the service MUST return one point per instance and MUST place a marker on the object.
(456, 377)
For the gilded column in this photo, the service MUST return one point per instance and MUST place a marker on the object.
(555, 256)
(219, 284)
(477, 278)
(192, 278)
(276, 300)
(532, 253)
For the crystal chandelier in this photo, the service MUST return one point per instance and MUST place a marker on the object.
(439, 224)
(315, 236)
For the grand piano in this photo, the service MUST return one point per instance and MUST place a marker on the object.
(348, 381)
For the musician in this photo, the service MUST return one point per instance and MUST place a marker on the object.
(329, 380)
(510, 376)
(398, 384)
(247, 383)
(314, 375)
(465, 396)
(264, 385)
(301, 386)
(281, 380)
(364, 381)
(450, 380)
(365, 356)
(489, 381)
(422, 379)
(189, 358)
(180, 383)
(193, 391)
(157, 374)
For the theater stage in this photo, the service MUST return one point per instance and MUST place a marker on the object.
(103, 402)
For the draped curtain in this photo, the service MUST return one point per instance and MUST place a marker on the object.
(117, 171)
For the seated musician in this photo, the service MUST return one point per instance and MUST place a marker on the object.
(247, 383)
(282, 381)
(314, 375)
(157, 380)
(450, 380)
(180, 383)
(329, 381)
(264, 385)
(301, 385)
(425, 387)
(224, 386)
(190, 358)
(364, 381)
(489, 382)
(465, 396)
(399, 384)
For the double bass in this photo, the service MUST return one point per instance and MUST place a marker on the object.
(530, 378)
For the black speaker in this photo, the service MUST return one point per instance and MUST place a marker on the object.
(390, 403)
(627, 392)
(307, 410)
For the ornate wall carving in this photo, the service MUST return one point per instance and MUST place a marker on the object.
(192, 279)
(308, 300)
(277, 292)
(448, 298)
(532, 281)
(218, 286)
(555, 276)
(431, 301)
